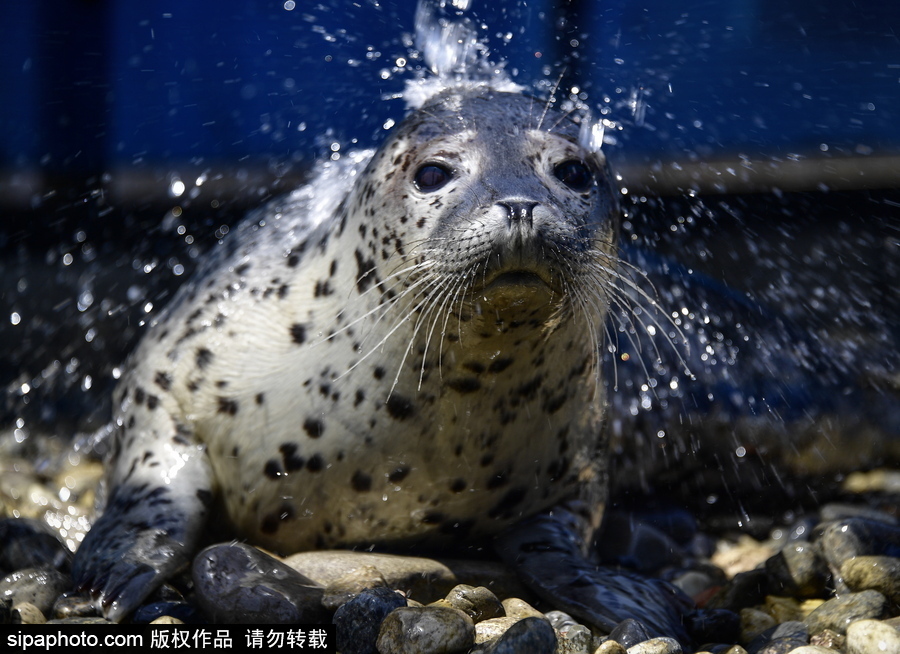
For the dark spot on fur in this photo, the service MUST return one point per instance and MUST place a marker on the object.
(458, 486)
(464, 385)
(361, 482)
(398, 475)
(298, 333)
(152, 402)
(316, 463)
(314, 428)
(244, 267)
(433, 518)
(205, 497)
(360, 397)
(322, 289)
(558, 468)
(499, 365)
(283, 291)
(221, 383)
(379, 372)
(260, 398)
(399, 407)
(486, 460)
(507, 504)
(497, 480)
(139, 396)
(204, 357)
(292, 462)
(474, 366)
(163, 380)
(293, 260)
(365, 273)
(554, 404)
(227, 406)
(272, 469)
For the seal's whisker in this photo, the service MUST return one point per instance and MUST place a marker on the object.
(383, 307)
(399, 323)
(447, 301)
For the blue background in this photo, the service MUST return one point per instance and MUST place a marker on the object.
(91, 86)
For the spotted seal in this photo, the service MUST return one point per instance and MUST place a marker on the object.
(404, 351)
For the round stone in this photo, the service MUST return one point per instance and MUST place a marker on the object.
(358, 622)
(432, 629)
(871, 637)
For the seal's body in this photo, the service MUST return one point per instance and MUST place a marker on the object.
(404, 352)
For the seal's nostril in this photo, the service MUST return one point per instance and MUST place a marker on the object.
(518, 211)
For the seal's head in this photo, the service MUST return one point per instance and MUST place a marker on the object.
(499, 205)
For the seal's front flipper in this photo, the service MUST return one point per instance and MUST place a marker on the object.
(546, 552)
(150, 526)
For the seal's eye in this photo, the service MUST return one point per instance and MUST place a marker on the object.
(431, 177)
(574, 174)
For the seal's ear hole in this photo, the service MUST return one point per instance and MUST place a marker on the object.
(431, 177)
(575, 174)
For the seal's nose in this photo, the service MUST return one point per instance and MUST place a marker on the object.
(519, 212)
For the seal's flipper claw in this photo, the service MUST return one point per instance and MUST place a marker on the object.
(152, 521)
(122, 561)
(546, 554)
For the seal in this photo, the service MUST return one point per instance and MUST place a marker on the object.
(406, 351)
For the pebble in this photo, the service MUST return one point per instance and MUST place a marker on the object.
(812, 649)
(37, 586)
(527, 636)
(693, 582)
(73, 605)
(881, 573)
(87, 620)
(478, 603)
(343, 589)
(166, 619)
(783, 609)
(424, 580)
(744, 590)
(780, 639)
(560, 619)
(753, 623)
(237, 583)
(885, 481)
(27, 613)
(358, 621)
(798, 570)
(432, 629)
(848, 539)
(828, 638)
(743, 556)
(30, 543)
(610, 647)
(492, 628)
(574, 639)
(182, 611)
(836, 614)
(871, 637)
(518, 608)
(656, 646)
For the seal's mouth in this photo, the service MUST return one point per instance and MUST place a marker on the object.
(516, 278)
